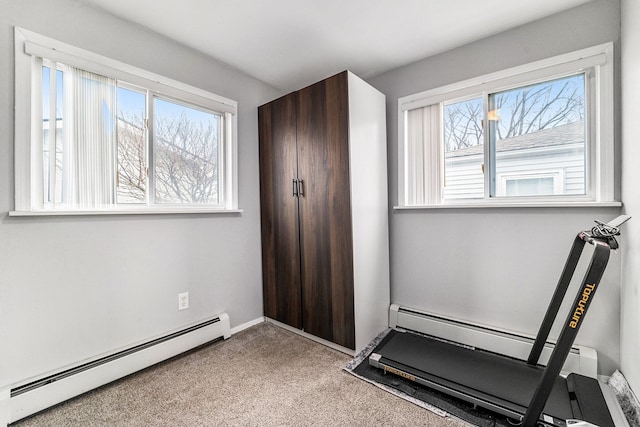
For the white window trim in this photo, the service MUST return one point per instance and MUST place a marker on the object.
(28, 47)
(601, 166)
(556, 174)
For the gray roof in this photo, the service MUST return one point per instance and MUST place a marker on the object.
(560, 135)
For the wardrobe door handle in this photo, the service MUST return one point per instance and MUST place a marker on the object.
(295, 187)
(300, 188)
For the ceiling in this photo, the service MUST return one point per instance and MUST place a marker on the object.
(292, 43)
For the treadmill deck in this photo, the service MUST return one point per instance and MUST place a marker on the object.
(493, 381)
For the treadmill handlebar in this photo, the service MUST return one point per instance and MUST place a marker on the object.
(605, 232)
(602, 237)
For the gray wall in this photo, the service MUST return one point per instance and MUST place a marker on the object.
(630, 344)
(499, 266)
(72, 288)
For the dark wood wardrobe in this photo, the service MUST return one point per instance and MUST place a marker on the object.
(324, 213)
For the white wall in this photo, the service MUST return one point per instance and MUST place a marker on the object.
(499, 266)
(73, 288)
(630, 336)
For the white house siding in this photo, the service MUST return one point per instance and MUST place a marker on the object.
(557, 152)
(464, 178)
(565, 162)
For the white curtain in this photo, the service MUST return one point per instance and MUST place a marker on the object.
(423, 162)
(90, 156)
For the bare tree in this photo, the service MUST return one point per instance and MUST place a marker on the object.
(538, 107)
(463, 124)
(515, 112)
(132, 171)
(185, 160)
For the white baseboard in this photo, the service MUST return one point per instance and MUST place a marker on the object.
(312, 337)
(36, 394)
(247, 325)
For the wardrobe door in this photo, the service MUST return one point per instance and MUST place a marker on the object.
(279, 211)
(325, 211)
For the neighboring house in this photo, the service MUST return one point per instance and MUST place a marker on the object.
(547, 162)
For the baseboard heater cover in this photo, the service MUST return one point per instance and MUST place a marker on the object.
(27, 399)
(582, 360)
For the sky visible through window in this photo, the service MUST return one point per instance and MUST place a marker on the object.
(130, 102)
(46, 76)
(526, 125)
(515, 112)
(185, 150)
(172, 110)
(539, 106)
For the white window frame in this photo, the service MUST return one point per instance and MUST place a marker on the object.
(29, 48)
(557, 175)
(600, 162)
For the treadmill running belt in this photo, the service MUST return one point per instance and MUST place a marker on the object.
(505, 381)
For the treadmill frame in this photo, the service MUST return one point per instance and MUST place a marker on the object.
(599, 259)
(572, 324)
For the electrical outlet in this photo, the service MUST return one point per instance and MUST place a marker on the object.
(183, 301)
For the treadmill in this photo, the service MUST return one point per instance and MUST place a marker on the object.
(525, 391)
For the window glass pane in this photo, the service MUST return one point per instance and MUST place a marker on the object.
(46, 73)
(132, 164)
(52, 128)
(95, 150)
(186, 155)
(537, 129)
(46, 94)
(59, 130)
(463, 149)
(529, 186)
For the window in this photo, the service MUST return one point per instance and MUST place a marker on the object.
(534, 184)
(539, 134)
(99, 136)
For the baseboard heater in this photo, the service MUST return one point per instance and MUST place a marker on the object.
(38, 394)
(582, 360)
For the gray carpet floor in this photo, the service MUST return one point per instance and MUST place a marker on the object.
(262, 376)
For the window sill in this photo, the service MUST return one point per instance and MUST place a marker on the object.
(125, 211)
(500, 204)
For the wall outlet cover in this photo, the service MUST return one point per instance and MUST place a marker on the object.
(183, 301)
